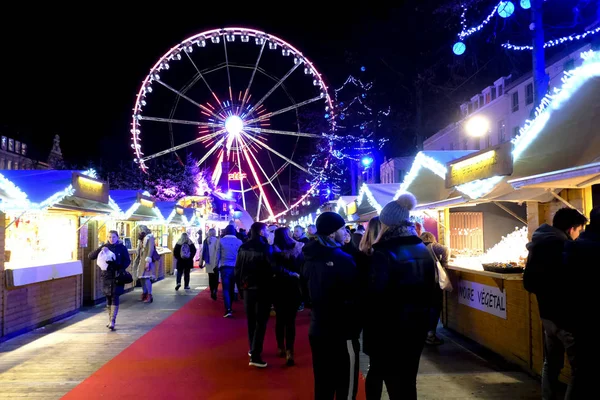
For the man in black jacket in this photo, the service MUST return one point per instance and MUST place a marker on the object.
(254, 276)
(332, 281)
(545, 275)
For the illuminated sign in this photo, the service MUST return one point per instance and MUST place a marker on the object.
(89, 188)
(494, 161)
(145, 201)
(179, 210)
(237, 176)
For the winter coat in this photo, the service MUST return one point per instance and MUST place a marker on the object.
(332, 280)
(254, 266)
(121, 262)
(288, 262)
(441, 252)
(184, 263)
(209, 253)
(544, 273)
(227, 250)
(400, 292)
(144, 255)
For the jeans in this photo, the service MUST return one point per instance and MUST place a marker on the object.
(556, 342)
(227, 283)
(285, 323)
(258, 307)
(112, 300)
(186, 276)
(146, 285)
(398, 370)
(213, 282)
(335, 367)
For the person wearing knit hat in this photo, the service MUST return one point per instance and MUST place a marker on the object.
(398, 299)
(331, 277)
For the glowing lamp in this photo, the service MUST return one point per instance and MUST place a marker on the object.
(366, 161)
(526, 4)
(234, 125)
(506, 9)
(477, 126)
(459, 48)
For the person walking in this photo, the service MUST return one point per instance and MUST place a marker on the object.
(333, 286)
(254, 269)
(116, 258)
(184, 253)
(209, 260)
(288, 264)
(227, 251)
(145, 262)
(545, 276)
(399, 298)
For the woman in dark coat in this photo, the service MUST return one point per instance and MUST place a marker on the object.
(399, 296)
(184, 253)
(287, 297)
(119, 262)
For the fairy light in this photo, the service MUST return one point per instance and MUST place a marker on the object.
(465, 33)
(555, 42)
(421, 161)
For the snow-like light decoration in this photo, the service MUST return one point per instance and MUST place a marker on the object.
(421, 161)
(512, 248)
(365, 192)
(91, 173)
(555, 42)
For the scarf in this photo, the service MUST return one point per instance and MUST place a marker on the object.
(327, 241)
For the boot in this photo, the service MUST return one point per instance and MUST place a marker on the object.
(113, 317)
(109, 309)
(149, 298)
(280, 352)
(144, 297)
(289, 358)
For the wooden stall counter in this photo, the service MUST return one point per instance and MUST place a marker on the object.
(493, 309)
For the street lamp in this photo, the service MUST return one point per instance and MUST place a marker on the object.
(477, 126)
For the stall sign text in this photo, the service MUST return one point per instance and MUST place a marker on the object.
(237, 176)
(484, 298)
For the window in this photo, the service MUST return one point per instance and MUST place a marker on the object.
(529, 93)
(515, 132)
(470, 109)
(500, 87)
(481, 100)
(493, 93)
(569, 65)
(488, 98)
(489, 141)
(475, 105)
(515, 102)
(501, 132)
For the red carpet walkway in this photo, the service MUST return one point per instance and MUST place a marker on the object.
(198, 354)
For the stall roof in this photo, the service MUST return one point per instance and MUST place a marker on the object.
(40, 185)
(166, 208)
(127, 201)
(568, 178)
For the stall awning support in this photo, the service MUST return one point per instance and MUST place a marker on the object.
(589, 182)
(508, 211)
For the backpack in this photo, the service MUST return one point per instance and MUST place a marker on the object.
(185, 251)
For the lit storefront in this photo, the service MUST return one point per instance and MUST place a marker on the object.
(45, 241)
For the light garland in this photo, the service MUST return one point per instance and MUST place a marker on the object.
(465, 33)
(555, 42)
(365, 192)
(421, 161)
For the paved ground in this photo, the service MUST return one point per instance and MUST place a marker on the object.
(50, 361)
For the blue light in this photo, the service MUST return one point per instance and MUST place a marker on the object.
(342, 116)
(526, 4)
(326, 116)
(506, 9)
(366, 161)
(459, 48)
(364, 95)
(363, 69)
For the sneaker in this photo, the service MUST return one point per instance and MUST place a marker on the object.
(301, 307)
(187, 288)
(249, 352)
(177, 287)
(258, 363)
(433, 340)
(228, 314)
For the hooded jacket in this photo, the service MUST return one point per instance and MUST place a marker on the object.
(332, 280)
(544, 273)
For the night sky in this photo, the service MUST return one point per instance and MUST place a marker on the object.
(75, 71)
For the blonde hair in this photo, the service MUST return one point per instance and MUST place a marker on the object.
(428, 237)
(185, 238)
(370, 236)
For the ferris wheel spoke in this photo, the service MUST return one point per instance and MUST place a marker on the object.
(257, 180)
(203, 108)
(262, 48)
(278, 132)
(266, 146)
(201, 75)
(178, 147)
(228, 74)
(269, 180)
(284, 110)
(179, 121)
(212, 149)
(237, 142)
(270, 92)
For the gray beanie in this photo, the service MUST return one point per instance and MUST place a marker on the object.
(397, 212)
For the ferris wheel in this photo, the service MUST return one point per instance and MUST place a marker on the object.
(238, 99)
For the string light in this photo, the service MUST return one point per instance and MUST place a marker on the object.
(555, 42)
(465, 33)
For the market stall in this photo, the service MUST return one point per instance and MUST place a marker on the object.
(45, 242)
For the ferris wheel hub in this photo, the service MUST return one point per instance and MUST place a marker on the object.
(234, 125)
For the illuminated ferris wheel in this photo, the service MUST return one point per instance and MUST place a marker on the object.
(237, 97)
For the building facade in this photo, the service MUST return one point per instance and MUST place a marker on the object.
(505, 105)
(14, 155)
(395, 169)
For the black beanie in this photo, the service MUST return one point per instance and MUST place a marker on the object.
(329, 222)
